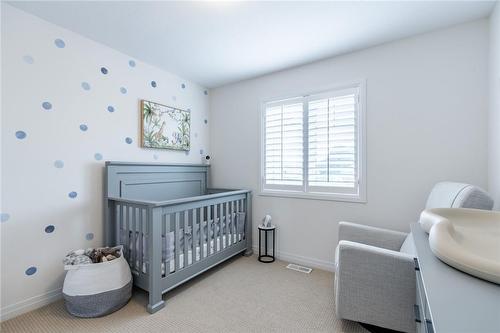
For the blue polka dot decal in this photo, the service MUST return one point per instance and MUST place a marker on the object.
(128, 140)
(104, 70)
(186, 152)
(60, 43)
(195, 135)
(59, 164)
(123, 90)
(72, 194)
(85, 86)
(50, 229)
(89, 236)
(21, 135)
(174, 98)
(84, 127)
(98, 156)
(30, 271)
(131, 63)
(153, 84)
(205, 92)
(28, 59)
(155, 156)
(201, 151)
(47, 105)
(205, 121)
(111, 108)
(183, 86)
(4, 217)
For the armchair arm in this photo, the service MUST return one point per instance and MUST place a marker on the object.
(387, 239)
(376, 286)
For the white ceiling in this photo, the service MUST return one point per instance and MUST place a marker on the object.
(216, 43)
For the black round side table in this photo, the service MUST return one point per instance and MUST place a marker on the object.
(266, 257)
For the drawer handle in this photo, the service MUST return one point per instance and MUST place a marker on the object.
(415, 261)
(417, 313)
(428, 326)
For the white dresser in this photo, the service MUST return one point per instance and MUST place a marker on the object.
(448, 300)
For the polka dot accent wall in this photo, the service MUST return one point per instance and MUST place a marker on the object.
(79, 109)
(30, 271)
(50, 229)
(47, 105)
(4, 217)
(85, 86)
(28, 59)
(60, 43)
(21, 135)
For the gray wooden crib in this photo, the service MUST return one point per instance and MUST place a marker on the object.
(171, 225)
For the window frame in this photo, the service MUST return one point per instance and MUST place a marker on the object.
(302, 191)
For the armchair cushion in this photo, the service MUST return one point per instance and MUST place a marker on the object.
(387, 239)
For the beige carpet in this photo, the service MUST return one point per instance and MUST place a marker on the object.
(241, 295)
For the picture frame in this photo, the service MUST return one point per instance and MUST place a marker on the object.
(164, 127)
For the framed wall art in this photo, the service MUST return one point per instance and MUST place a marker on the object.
(164, 127)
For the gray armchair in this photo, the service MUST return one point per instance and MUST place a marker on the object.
(375, 272)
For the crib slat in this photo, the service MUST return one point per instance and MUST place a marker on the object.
(202, 231)
(209, 229)
(235, 236)
(177, 243)
(221, 230)
(131, 246)
(233, 221)
(186, 240)
(193, 236)
(237, 220)
(168, 229)
(228, 242)
(163, 243)
(140, 234)
(216, 233)
(120, 227)
(127, 234)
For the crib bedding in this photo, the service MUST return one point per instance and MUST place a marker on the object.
(232, 238)
(168, 242)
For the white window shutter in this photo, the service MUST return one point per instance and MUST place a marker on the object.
(283, 144)
(332, 142)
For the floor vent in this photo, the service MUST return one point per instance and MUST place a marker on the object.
(299, 268)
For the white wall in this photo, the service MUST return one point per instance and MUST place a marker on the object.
(34, 191)
(426, 122)
(494, 115)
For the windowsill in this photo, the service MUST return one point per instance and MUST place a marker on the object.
(313, 196)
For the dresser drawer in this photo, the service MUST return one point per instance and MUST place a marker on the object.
(422, 313)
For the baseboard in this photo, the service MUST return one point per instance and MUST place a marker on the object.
(30, 304)
(305, 261)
